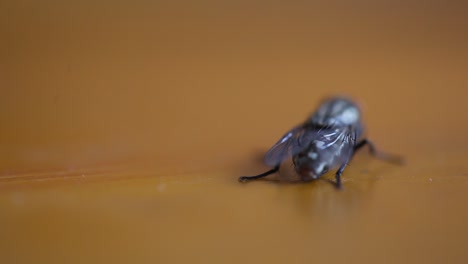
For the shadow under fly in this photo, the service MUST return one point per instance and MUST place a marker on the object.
(328, 139)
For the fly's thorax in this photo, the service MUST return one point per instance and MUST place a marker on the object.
(337, 111)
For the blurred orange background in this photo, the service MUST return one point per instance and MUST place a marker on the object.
(126, 125)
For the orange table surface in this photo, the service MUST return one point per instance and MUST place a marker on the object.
(125, 126)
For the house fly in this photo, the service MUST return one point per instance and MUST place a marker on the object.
(327, 139)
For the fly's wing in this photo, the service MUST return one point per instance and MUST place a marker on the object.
(349, 141)
(293, 142)
(340, 142)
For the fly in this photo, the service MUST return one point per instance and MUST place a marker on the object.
(328, 139)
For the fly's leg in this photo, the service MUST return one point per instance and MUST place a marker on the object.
(338, 175)
(380, 155)
(248, 178)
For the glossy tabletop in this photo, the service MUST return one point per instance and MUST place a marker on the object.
(125, 126)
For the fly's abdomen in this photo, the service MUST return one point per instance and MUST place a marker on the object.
(328, 150)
